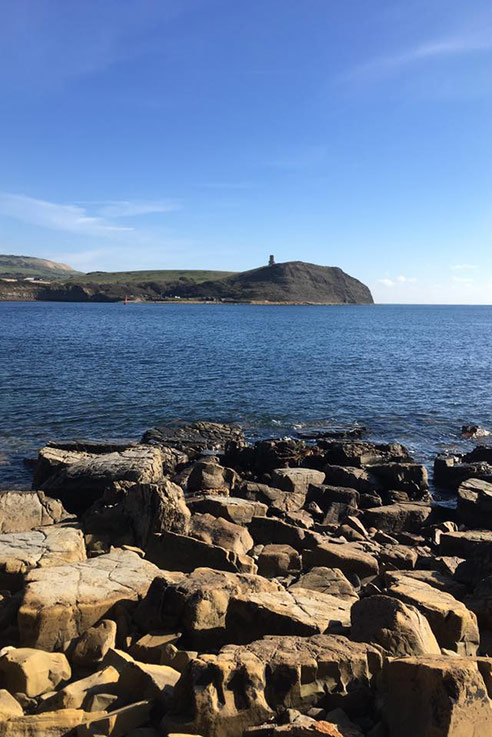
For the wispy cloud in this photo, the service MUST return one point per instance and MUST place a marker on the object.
(406, 279)
(132, 208)
(387, 282)
(400, 279)
(463, 267)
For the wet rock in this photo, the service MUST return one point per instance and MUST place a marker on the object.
(296, 480)
(394, 518)
(400, 629)
(438, 696)
(173, 552)
(233, 509)
(327, 581)
(454, 626)
(21, 552)
(21, 511)
(221, 695)
(61, 603)
(194, 438)
(197, 604)
(78, 479)
(295, 612)
(218, 531)
(32, 672)
(206, 476)
(347, 558)
(278, 560)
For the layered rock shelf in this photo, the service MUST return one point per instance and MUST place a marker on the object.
(195, 583)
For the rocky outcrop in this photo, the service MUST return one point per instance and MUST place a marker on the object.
(21, 511)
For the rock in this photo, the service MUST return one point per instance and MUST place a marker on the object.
(63, 602)
(78, 694)
(197, 604)
(206, 476)
(118, 723)
(267, 455)
(150, 647)
(266, 530)
(221, 695)
(32, 672)
(394, 518)
(296, 480)
(274, 499)
(327, 581)
(93, 645)
(218, 531)
(149, 681)
(400, 629)
(454, 626)
(295, 612)
(440, 581)
(399, 557)
(359, 479)
(278, 560)
(155, 508)
(78, 479)
(409, 477)
(173, 552)
(438, 696)
(21, 552)
(49, 724)
(232, 509)
(347, 558)
(362, 453)
(303, 726)
(21, 511)
(336, 502)
(195, 438)
(466, 544)
(9, 707)
(451, 471)
(474, 508)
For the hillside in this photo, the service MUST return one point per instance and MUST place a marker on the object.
(22, 267)
(162, 276)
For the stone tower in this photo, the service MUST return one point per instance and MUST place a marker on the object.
(271, 260)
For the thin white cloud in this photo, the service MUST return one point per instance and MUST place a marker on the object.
(387, 282)
(132, 208)
(463, 267)
(400, 279)
(406, 279)
(56, 216)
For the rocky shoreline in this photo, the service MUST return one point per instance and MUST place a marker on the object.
(195, 583)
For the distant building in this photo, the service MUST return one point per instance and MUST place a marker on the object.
(271, 260)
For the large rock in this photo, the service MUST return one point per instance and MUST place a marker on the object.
(173, 552)
(49, 724)
(63, 602)
(394, 518)
(21, 552)
(21, 511)
(360, 479)
(474, 508)
(348, 558)
(266, 530)
(78, 479)
(278, 560)
(361, 453)
(221, 695)
(194, 438)
(78, 694)
(274, 499)
(473, 543)
(400, 629)
(32, 672)
(294, 612)
(327, 581)
(409, 477)
(454, 626)
(156, 508)
(450, 470)
(196, 604)
(231, 508)
(207, 476)
(118, 723)
(437, 697)
(218, 531)
(296, 479)
(336, 502)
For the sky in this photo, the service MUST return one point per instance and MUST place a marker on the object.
(208, 134)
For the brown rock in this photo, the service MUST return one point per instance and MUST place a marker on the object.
(173, 552)
(327, 581)
(346, 557)
(278, 560)
(296, 479)
(218, 531)
(32, 672)
(21, 511)
(231, 508)
(394, 518)
(95, 643)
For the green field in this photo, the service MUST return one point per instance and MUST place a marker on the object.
(159, 276)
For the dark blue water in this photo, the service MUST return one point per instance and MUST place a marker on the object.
(409, 373)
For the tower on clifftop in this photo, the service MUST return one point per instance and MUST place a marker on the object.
(271, 260)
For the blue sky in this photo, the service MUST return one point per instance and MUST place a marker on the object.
(142, 134)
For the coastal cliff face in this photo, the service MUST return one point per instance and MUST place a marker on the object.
(294, 281)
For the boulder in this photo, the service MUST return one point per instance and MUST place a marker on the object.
(21, 552)
(278, 560)
(361, 453)
(473, 543)
(454, 626)
(174, 552)
(439, 580)
(326, 581)
(149, 681)
(399, 557)
(474, 508)
(296, 480)
(117, 723)
(221, 695)
(409, 477)
(156, 508)
(294, 612)
(32, 672)
(93, 645)
(274, 499)
(78, 479)
(196, 604)
(194, 438)
(336, 502)
(400, 629)
(151, 647)
(61, 603)
(21, 511)
(230, 508)
(348, 558)
(266, 530)
(9, 707)
(437, 695)
(78, 694)
(218, 531)
(360, 479)
(394, 518)
(207, 476)
(49, 724)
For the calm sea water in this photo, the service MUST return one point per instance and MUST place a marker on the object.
(409, 373)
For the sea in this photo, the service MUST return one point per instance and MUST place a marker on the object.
(413, 374)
